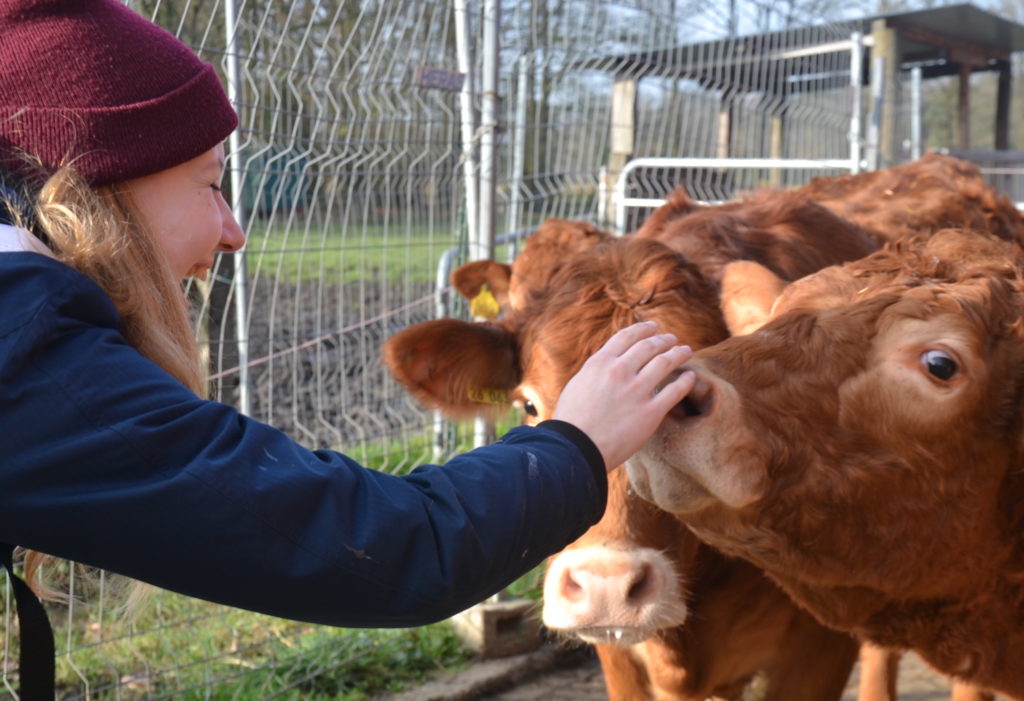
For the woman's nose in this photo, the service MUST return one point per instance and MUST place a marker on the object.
(232, 237)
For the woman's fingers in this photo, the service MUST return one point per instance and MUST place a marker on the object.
(624, 390)
(671, 393)
(656, 368)
(625, 339)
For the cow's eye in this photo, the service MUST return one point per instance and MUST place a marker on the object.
(939, 363)
(530, 408)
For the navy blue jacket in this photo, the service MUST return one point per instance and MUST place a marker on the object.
(105, 459)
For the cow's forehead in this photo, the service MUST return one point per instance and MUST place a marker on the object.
(606, 288)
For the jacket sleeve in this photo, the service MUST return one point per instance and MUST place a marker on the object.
(110, 462)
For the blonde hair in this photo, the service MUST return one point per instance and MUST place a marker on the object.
(101, 233)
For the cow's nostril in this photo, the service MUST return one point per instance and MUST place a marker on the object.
(697, 403)
(641, 585)
(689, 407)
(571, 589)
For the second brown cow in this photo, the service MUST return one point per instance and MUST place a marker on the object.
(865, 448)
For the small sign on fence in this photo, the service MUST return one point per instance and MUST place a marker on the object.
(439, 78)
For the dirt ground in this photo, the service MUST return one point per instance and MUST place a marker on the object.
(583, 682)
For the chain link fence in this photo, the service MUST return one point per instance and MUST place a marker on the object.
(367, 152)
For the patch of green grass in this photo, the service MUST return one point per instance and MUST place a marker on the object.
(340, 255)
(407, 451)
(370, 252)
(187, 649)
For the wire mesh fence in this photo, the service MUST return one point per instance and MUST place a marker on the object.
(359, 122)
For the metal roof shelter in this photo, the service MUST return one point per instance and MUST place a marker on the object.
(876, 51)
(938, 39)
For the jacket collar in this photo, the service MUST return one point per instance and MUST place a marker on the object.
(13, 240)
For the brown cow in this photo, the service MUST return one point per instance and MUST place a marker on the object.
(783, 230)
(924, 196)
(701, 624)
(865, 448)
(932, 193)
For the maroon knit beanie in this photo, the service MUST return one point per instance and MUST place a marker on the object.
(93, 83)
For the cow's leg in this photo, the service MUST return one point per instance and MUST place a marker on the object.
(624, 677)
(966, 692)
(879, 670)
(815, 666)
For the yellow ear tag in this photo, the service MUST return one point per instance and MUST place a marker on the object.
(498, 397)
(484, 305)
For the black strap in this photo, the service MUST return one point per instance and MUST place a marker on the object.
(36, 668)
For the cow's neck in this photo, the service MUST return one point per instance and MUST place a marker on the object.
(977, 636)
(953, 631)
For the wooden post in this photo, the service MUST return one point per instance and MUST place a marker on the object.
(723, 139)
(721, 182)
(1003, 95)
(622, 138)
(964, 109)
(886, 45)
(777, 125)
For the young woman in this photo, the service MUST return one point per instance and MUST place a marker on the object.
(110, 143)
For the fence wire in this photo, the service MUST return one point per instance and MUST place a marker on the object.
(349, 178)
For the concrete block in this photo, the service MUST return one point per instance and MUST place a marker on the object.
(500, 628)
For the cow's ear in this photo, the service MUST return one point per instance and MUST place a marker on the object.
(748, 292)
(462, 368)
(476, 280)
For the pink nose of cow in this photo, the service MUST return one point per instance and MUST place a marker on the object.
(626, 582)
(603, 589)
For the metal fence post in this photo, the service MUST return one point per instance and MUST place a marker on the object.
(877, 106)
(856, 88)
(464, 50)
(468, 134)
(915, 112)
(483, 247)
(238, 281)
(519, 144)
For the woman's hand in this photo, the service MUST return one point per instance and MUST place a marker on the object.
(620, 395)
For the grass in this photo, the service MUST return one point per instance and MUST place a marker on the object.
(188, 649)
(380, 253)
(372, 252)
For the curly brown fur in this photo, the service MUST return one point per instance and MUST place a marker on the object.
(785, 231)
(932, 193)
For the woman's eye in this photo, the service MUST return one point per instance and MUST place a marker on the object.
(939, 363)
(530, 408)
